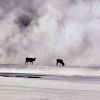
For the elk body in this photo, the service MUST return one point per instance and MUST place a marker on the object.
(30, 60)
(60, 61)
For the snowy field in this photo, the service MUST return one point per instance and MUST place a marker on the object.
(51, 70)
(49, 83)
(37, 89)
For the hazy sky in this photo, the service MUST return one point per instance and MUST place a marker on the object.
(50, 29)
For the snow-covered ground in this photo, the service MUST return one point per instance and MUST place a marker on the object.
(37, 89)
(52, 84)
(51, 70)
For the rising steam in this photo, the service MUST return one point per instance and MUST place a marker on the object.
(50, 29)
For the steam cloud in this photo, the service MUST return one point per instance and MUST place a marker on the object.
(50, 29)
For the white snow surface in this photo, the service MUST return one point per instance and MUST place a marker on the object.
(51, 70)
(59, 83)
(37, 89)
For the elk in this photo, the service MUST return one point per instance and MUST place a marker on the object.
(30, 60)
(60, 61)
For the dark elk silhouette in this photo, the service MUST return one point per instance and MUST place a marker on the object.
(60, 61)
(30, 60)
